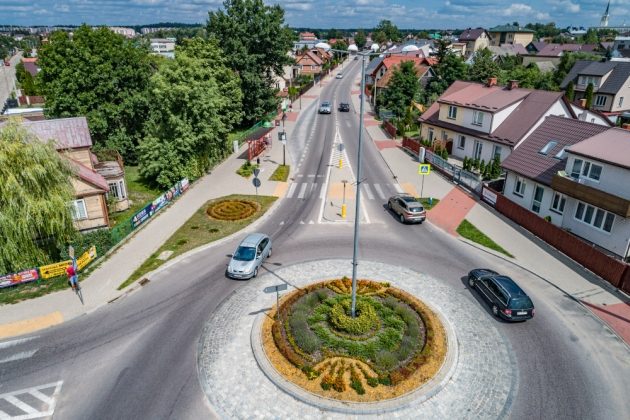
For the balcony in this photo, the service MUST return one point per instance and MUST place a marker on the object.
(576, 188)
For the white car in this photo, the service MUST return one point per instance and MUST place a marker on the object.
(339, 75)
(249, 256)
(325, 108)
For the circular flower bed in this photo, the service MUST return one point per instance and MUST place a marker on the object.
(394, 343)
(232, 209)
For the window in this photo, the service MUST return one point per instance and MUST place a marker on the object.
(586, 169)
(477, 118)
(545, 150)
(538, 196)
(496, 154)
(519, 186)
(562, 154)
(593, 216)
(557, 202)
(577, 167)
(117, 189)
(620, 101)
(444, 135)
(78, 210)
(478, 149)
(600, 100)
(430, 135)
(461, 142)
(452, 112)
(586, 80)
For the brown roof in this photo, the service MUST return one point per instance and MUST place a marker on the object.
(30, 65)
(67, 133)
(526, 159)
(309, 55)
(554, 50)
(89, 176)
(384, 81)
(471, 34)
(480, 96)
(612, 147)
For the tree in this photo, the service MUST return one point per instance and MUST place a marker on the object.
(483, 66)
(255, 41)
(360, 38)
(334, 33)
(568, 60)
(196, 101)
(401, 89)
(591, 36)
(422, 35)
(450, 68)
(379, 37)
(102, 76)
(588, 95)
(389, 29)
(35, 191)
(570, 92)
(27, 83)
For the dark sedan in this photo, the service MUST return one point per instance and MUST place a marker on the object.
(344, 107)
(504, 296)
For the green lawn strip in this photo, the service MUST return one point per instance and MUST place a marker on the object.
(15, 294)
(139, 193)
(199, 230)
(280, 174)
(412, 133)
(426, 204)
(469, 231)
(247, 169)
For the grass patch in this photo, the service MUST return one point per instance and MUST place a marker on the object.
(199, 230)
(426, 204)
(412, 133)
(280, 174)
(139, 191)
(247, 169)
(469, 231)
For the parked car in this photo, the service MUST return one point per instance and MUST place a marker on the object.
(407, 208)
(505, 297)
(249, 256)
(325, 108)
(339, 75)
(344, 107)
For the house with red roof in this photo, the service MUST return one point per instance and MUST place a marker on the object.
(94, 181)
(308, 62)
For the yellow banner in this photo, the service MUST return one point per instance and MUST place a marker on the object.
(86, 258)
(54, 270)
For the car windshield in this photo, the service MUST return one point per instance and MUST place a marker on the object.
(408, 199)
(325, 104)
(521, 303)
(245, 253)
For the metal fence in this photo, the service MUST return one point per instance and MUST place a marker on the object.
(468, 179)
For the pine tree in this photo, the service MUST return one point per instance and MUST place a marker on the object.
(588, 95)
(570, 92)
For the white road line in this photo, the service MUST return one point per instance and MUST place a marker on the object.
(18, 356)
(311, 176)
(41, 396)
(21, 405)
(322, 191)
(398, 188)
(313, 188)
(311, 222)
(291, 190)
(368, 191)
(282, 223)
(12, 343)
(299, 175)
(379, 191)
(302, 190)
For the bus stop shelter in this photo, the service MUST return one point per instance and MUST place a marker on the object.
(257, 141)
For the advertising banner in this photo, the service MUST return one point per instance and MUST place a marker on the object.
(142, 216)
(489, 196)
(159, 203)
(19, 278)
(184, 184)
(87, 257)
(53, 270)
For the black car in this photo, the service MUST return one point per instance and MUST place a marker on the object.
(505, 297)
(344, 107)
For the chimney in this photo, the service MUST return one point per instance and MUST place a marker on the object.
(583, 103)
(492, 81)
(512, 84)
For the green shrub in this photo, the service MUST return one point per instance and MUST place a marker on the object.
(366, 321)
(386, 359)
(305, 339)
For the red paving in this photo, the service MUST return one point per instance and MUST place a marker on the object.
(310, 96)
(385, 144)
(370, 122)
(292, 116)
(355, 92)
(451, 210)
(617, 316)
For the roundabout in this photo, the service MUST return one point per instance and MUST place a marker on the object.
(452, 363)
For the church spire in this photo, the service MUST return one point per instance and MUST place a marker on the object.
(604, 21)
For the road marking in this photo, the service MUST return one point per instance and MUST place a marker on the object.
(302, 190)
(311, 176)
(19, 404)
(311, 222)
(47, 394)
(291, 190)
(29, 325)
(379, 191)
(368, 191)
(282, 223)
(300, 176)
(15, 342)
(301, 222)
(19, 356)
(399, 189)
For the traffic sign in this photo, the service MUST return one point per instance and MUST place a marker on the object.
(424, 169)
(276, 288)
(256, 172)
(341, 147)
(256, 182)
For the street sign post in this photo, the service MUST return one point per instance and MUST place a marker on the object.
(277, 288)
(423, 169)
(71, 252)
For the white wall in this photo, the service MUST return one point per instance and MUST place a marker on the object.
(613, 179)
(591, 117)
(467, 119)
(502, 115)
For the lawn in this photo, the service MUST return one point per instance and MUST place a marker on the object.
(428, 205)
(280, 174)
(139, 192)
(199, 230)
(469, 231)
(247, 169)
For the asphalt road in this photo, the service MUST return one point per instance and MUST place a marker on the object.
(136, 357)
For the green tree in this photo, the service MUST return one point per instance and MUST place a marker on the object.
(360, 38)
(570, 92)
(588, 95)
(389, 29)
(35, 191)
(591, 36)
(255, 41)
(483, 66)
(102, 76)
(196, 102)
(401, 89)
(422, 35)
(379, 37)
(568, 60)
(26, 80)
(334, 33)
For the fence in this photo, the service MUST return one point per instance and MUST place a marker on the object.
(389, 127)
(413, 145)
(468, 179)
(241, 137)
(612, 270)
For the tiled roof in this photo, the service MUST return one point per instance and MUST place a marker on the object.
(371, 67)
(612, 147)
(555, 50)
(384, 81)
(526, 160)
(67, 133)
(510, 28)
(89, 176)
(471, 34)
(620, 72)
(480, 96)
(395, 60)
(537, 45)
(308, 55)
(30, 65)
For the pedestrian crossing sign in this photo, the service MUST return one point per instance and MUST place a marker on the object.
(424, 169)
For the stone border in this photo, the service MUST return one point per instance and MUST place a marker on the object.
(419, 395)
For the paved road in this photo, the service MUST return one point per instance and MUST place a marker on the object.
(7, 78)
(136, 358)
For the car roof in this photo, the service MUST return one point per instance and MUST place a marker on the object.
(253, 239)
(325, 103)
(510, 286)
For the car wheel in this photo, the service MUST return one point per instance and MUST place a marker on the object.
(389, 205)
(471, 282)
(402, 219)
(269, 255)
(255, 272)
(495, 310)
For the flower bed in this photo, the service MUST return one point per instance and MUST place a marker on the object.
(232, 209)
(393, 345)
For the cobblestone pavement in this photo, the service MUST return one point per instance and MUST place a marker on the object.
(483, 384)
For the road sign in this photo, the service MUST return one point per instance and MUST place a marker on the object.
(71, 251)
(256, 172)
(256, 182)
(276, 288)
(282, 136)
(424, 169)
(341, 147)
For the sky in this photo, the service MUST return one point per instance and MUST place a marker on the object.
(322, 13)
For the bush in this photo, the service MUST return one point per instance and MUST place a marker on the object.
(81, 242)
(386, 360)
(304, 337)
(366, 321)
(444, 154)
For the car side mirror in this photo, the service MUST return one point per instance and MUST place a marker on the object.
(229, 255)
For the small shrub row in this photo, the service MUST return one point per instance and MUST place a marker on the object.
(339, 384)
(355, 380)
(366, 321)
(231, 210)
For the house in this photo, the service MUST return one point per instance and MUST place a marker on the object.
(163, 46)
(425, 74)
(95, 181)
(475, 39)
(611, 85)
(506, 50)
(484, 121)
(30, 65)
(535, 47)
(574, 174)
(307, 40)
(554, 52)
(510, 34)
(308, 62)
(126, 32)
(370, 70)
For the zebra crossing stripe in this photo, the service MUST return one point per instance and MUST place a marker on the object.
(302, 190)
(37, 404)
(291, 190)
(368, 191)
(379, 191)
(399, 189)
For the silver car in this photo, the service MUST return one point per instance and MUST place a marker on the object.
(249, 256)
(407, 208)
(325, 108)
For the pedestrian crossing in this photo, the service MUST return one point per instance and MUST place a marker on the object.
(301, 190)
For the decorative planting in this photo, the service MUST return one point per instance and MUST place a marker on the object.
(232, 209)
(392, 345)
